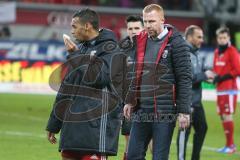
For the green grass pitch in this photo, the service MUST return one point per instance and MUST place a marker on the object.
(22, 131)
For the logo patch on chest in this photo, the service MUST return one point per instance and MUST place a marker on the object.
(220, 63)
(165, 54)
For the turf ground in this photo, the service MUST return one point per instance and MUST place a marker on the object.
(22, 135)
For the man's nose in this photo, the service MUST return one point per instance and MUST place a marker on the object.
(146, 24)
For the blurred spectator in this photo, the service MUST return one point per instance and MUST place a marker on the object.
(137, 3)
(0, 34)
(185, 4)
(126, 3)
(92, 2)
(113, 3)
(114, 27)
(167, 4)
(56, 1)
(54, 38)
(5, 32)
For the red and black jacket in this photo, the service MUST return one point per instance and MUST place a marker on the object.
(172, 74)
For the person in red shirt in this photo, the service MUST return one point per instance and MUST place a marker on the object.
(227, 67)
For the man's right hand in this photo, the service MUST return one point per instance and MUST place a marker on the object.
(127, 110)
(70, 45)
(210, 74)
(51, 137)
(184, 121)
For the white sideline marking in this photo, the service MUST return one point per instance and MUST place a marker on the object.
(207, 148)
(22, 134)
(215, 149)
(29, 134)
(14, 115)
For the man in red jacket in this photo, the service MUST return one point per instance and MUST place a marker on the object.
(227, 68)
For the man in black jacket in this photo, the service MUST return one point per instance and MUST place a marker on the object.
(134, 27)
(86, 109)
(160, 90)
(194, 37)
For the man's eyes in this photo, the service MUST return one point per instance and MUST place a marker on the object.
(149, 21)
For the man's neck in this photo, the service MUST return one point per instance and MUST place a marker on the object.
(92, 35)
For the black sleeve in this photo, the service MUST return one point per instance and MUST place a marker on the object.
(117, 74)
(197, 78)
(130, 82)
(98, 66)
(127, 48)
(219, 79)
(54, 124)
(65, 92)
(183, 74)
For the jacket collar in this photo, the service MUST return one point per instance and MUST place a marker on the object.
(162, 34)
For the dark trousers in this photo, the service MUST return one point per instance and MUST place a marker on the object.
(199, 124)
(143, 132)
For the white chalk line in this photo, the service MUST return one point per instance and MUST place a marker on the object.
(15, 115)
(29, 134)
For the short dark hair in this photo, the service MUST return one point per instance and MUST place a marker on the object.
(134, 18)
(189, 31)
(88, 15)
(222, 30)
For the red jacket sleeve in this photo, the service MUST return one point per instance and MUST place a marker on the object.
(235, 61)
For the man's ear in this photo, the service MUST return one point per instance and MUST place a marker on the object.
(189, 38)
(87, 26)
(163, 20)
